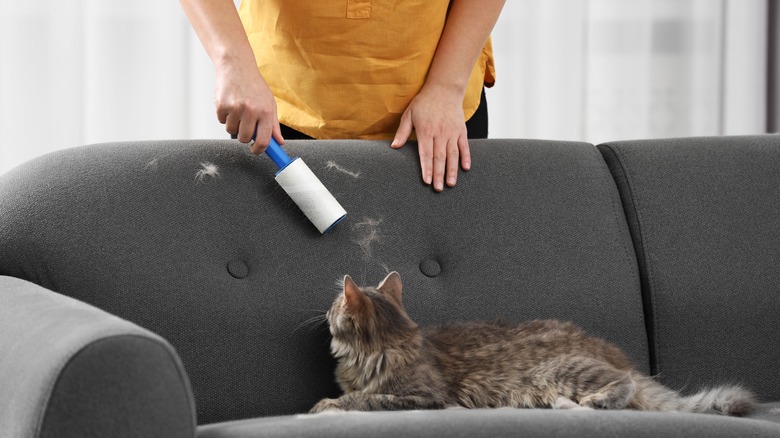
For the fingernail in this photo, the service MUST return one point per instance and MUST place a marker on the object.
(427, 179)
(451, 181)
(466, 165)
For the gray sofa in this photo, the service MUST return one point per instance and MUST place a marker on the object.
(163, 288)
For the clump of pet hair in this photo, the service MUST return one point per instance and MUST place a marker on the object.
(367, 234)
(207, 169)
(331, 165)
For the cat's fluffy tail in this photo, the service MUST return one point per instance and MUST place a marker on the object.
(726, 400)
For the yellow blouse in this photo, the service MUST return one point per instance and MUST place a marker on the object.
(349, 68)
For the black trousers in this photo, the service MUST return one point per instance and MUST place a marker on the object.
(477, 125)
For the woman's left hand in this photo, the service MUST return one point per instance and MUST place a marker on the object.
(436, 115)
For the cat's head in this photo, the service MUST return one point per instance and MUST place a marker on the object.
(370, 317)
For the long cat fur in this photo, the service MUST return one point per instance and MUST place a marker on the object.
(387, 362)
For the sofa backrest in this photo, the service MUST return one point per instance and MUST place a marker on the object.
(195, 241)
(705, 219)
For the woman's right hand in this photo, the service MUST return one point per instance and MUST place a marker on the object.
(246, 106)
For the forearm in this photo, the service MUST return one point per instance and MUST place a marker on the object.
(468, 27)
(219, 28)
(245, 104)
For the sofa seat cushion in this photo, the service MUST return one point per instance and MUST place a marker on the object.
(500, 422)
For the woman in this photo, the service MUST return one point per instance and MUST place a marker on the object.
(371, 69)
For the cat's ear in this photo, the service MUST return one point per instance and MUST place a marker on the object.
(391, 286)
(353, 296)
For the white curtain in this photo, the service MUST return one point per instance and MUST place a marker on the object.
(88, 71)
(600, 70)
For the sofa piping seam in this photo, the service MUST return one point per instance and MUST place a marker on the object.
(606, 177)
(644, 250)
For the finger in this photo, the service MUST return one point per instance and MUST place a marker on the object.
(231, 123)
(439, 164)
(246, 128)
(425, 149)
(262, 138)
(257, 148)
(222, 114)
(277, 132)
(465, 152)
(451, 168)
(403, 132)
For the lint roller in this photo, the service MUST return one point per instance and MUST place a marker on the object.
(306, 190)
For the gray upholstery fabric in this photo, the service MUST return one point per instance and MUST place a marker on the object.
(705, 219)
(70, 370)
(228, 270)
(768, 412)
(773, 67)
(496, 423)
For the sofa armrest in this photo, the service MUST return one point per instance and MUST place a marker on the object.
(68, 369)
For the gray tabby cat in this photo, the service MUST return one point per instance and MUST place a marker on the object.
(387, 362)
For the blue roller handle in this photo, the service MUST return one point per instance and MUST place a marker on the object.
(278, 155)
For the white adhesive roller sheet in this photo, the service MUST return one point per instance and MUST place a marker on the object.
(306, 190)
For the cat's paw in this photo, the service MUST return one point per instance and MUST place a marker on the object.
(616, 395)
(327, 405)
(567, 403)
(595, 401)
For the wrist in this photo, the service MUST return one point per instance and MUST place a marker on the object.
(444, 78)
(447, 89)
(226, 59)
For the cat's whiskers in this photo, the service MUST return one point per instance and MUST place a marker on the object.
(313, 322)
(313, 310)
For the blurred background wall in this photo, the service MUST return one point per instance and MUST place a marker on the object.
(88, 71)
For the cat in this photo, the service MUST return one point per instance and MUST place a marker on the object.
(387, 362)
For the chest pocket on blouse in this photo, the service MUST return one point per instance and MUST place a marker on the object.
(357, 9)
